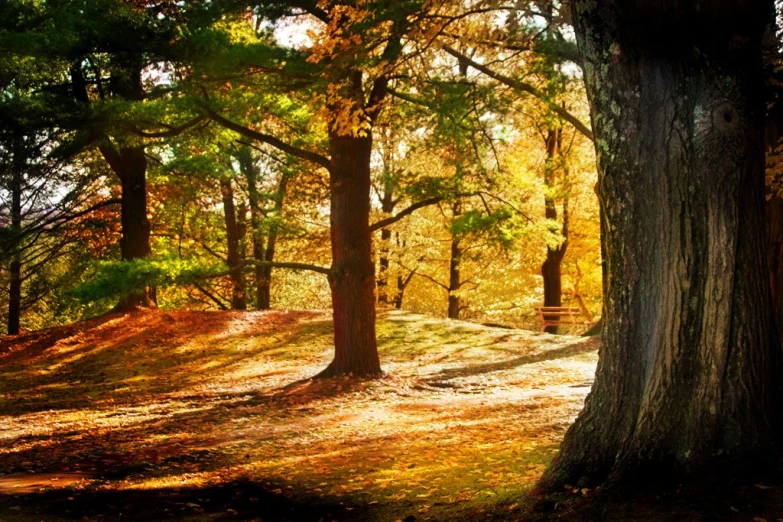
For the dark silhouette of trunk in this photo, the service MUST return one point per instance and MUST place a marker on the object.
(551, 269)
(129, 164)
(352, 277)
(387, 206)
(687, 379)
(455, 282)
(135, 239)
(238, 299)
(15, 283)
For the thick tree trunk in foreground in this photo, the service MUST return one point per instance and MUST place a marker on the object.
(238, 299)
(352, 278)
(550, 269)
(685, 375)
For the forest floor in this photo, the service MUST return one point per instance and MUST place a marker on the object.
(158, 415)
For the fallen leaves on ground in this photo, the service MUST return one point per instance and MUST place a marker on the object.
(466, 418)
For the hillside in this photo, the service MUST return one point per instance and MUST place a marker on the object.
(210, 415)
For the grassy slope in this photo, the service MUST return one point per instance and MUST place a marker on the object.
(151, 414)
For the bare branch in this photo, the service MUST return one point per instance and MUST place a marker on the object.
(268, 139)
(171, 131)
(401, 214)
(524, 87)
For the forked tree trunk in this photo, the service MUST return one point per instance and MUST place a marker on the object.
(238, 298)
(352, 277)
(685, 380)
(129, 164)
(551, 271)
(265, 283)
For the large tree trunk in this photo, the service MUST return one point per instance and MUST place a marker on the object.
(238, 299)
(15, 283)
(352, 278)
(551, 268)
(685, 375)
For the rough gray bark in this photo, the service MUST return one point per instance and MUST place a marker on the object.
(685, 380)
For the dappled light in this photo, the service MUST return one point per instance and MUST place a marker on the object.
(156, 400)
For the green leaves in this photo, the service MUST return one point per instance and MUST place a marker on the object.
(114, 279)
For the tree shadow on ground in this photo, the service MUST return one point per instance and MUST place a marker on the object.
(236, 500)
(508, 364)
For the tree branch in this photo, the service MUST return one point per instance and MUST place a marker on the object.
(171, 131)
(402, 213)
(524, 87)
(269, 140)
(292, 266)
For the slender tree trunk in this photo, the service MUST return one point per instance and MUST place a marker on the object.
(15, 287)
(455, 282)
(686, 380)
(352, 279)
(551, 269)
(238, 299)
(387, 206)
(250, 170)
(265, 284)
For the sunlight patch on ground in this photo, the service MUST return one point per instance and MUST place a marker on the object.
(152, 400)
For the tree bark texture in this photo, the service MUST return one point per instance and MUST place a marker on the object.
(238, 297)
(551, 268)
(352, 278)
(265, 283)
(685, 373)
